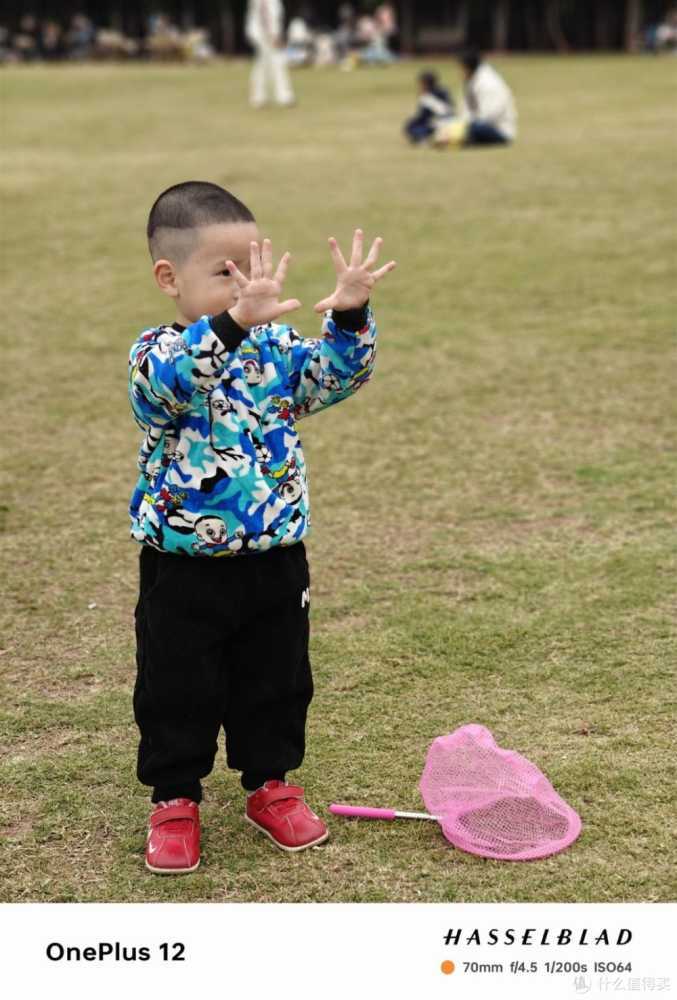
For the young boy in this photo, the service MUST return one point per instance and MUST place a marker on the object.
(224, 641)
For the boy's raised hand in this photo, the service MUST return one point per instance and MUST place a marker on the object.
(354, 281)
(259, 294)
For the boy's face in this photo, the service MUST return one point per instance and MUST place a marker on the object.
(201, 284)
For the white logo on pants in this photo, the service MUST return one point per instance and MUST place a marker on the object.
(305, 597)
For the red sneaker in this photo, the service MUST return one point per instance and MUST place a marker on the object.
(173, 844)
(279, 811)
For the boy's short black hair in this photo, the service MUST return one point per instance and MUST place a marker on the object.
(187, 206)
(428, 79)
(471, 59)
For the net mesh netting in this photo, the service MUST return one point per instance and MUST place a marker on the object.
(494, 802)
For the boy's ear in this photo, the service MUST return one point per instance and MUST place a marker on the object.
(165, 277)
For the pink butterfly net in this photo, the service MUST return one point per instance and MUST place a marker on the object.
(494, 802)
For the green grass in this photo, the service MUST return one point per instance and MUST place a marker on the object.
(494, 516)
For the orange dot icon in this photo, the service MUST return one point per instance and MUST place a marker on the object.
(447, 967)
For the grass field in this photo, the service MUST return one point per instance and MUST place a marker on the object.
(494, 516)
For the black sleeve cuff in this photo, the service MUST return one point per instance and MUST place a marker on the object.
(351, 319)
(230, 333)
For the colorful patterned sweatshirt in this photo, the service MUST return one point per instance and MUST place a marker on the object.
(221, 466)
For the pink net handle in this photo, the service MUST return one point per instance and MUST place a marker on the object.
(361, 812)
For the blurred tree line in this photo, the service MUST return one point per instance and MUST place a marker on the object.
(523, 25)
(424, 25)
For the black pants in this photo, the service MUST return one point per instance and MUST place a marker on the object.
(221, 642)
(484, 134)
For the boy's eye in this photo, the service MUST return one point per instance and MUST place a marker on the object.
(225, 273)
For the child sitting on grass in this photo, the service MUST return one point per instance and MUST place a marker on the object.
(435, 107)
(221, 508)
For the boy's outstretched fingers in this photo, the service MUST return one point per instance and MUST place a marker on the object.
(356, 254)
(375, 250)
(267, 258)
(337, 256)
(287, 306)
(281, 272)
(355, 280)
(240, 278)
(257, 302)
(377, 275)
(255, 270)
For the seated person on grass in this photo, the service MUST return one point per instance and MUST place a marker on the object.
(435, 107)
(489, 115)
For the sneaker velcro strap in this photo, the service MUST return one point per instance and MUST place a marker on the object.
(282, 792)
(171, 812)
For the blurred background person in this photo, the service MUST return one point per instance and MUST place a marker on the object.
(489, 106)
(365, 39)
(666, 32)
(301, 39)
(386, 22)
(80, 37)
(264, 29)
(52, 42)
(112, 44)
(26, 41)
(164, 39)
(7, 53)
(196, 46)
(344, 36)
(324, 53)
(376, 52)
(435, 107)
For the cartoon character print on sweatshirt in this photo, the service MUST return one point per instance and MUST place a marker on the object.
(158, 450)
(328, 384)
(291, 489)
(240, 451)
(167, 500)
(264, 456)
(156, 360)
(294, 528)
(358, 379)
(252, 371)
(155, 509)
(221, 467)
(279, 410)
(221, 405)
(258, 373)
(149, 461)
(208, 532)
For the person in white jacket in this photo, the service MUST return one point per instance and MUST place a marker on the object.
(264, 28)
(489, 105)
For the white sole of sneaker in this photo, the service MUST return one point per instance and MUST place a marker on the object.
(171, 871)
(292, 850)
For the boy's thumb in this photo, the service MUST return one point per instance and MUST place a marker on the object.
(287, 306)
